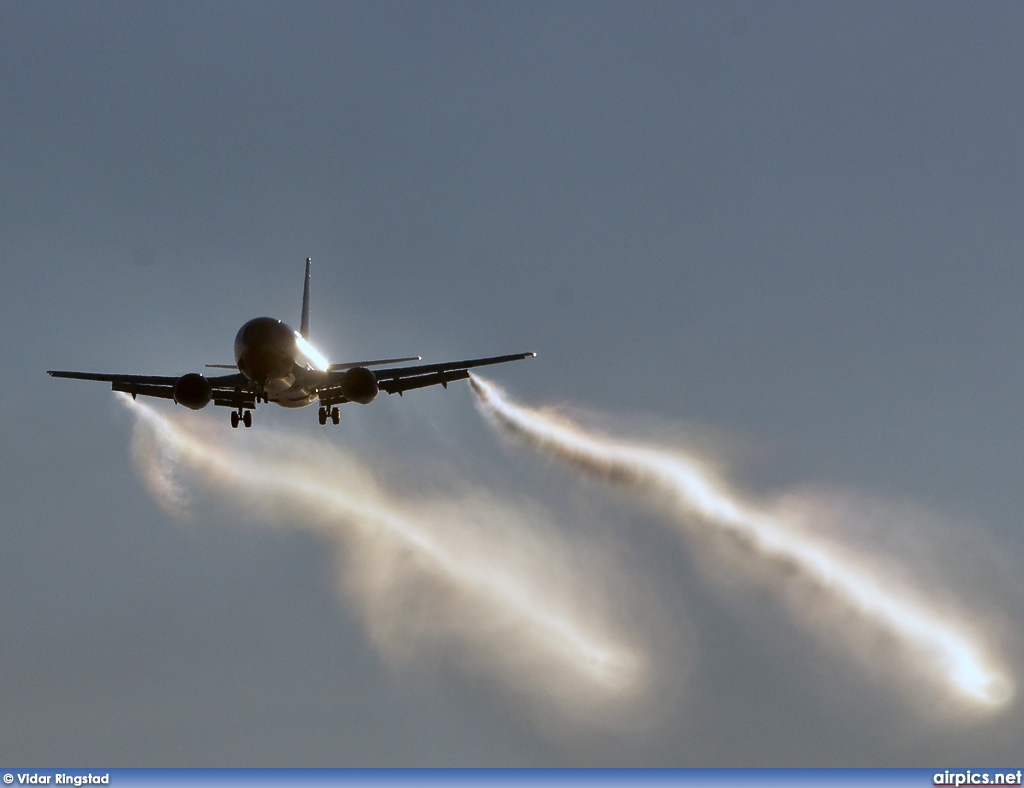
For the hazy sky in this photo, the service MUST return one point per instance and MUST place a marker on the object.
(789, 233)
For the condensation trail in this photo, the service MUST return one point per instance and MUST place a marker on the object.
(936, 644)
(527, 616)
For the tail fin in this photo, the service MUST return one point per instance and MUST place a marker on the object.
(304, 326)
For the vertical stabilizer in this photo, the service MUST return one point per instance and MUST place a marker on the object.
(304, 326)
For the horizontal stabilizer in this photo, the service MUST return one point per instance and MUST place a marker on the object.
(377, 363)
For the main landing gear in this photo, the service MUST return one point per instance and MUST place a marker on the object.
(333, 413)
(244, 416)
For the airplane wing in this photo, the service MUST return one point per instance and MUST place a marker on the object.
(231, 391)
(397, 380)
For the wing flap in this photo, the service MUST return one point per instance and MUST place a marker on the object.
(402, 385)
(145, 389)
(234, 400)
(332, 396)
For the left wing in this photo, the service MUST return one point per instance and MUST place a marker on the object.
(397, 380)
(228, 390)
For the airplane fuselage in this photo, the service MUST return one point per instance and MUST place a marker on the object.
(280, 363)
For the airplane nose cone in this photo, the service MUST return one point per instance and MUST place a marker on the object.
(264, 349)
(264, 364)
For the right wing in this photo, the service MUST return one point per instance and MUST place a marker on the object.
(231, 391)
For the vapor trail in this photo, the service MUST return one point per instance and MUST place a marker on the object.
(464, 574)
(937, 646)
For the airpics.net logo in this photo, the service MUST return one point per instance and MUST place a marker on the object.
(977, 778)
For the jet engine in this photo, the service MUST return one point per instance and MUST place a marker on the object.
(193, 391)
(359, 385)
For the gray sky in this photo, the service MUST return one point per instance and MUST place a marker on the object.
(791, 229)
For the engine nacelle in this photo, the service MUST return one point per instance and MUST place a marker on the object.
(193, 391)
(359, 385)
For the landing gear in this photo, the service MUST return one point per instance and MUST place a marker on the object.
(333, 413)
(243, 416)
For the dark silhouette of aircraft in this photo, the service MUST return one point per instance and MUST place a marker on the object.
(278, 364)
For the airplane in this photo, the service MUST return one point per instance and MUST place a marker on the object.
(278, 364)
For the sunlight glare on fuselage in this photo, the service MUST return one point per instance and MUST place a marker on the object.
(311, 353)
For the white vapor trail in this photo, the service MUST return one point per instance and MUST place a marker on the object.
(470, 575)
(938, 647)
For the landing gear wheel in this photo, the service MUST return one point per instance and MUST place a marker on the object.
(322, 415)
(247, 419)
(335, 414)
(234, 419)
